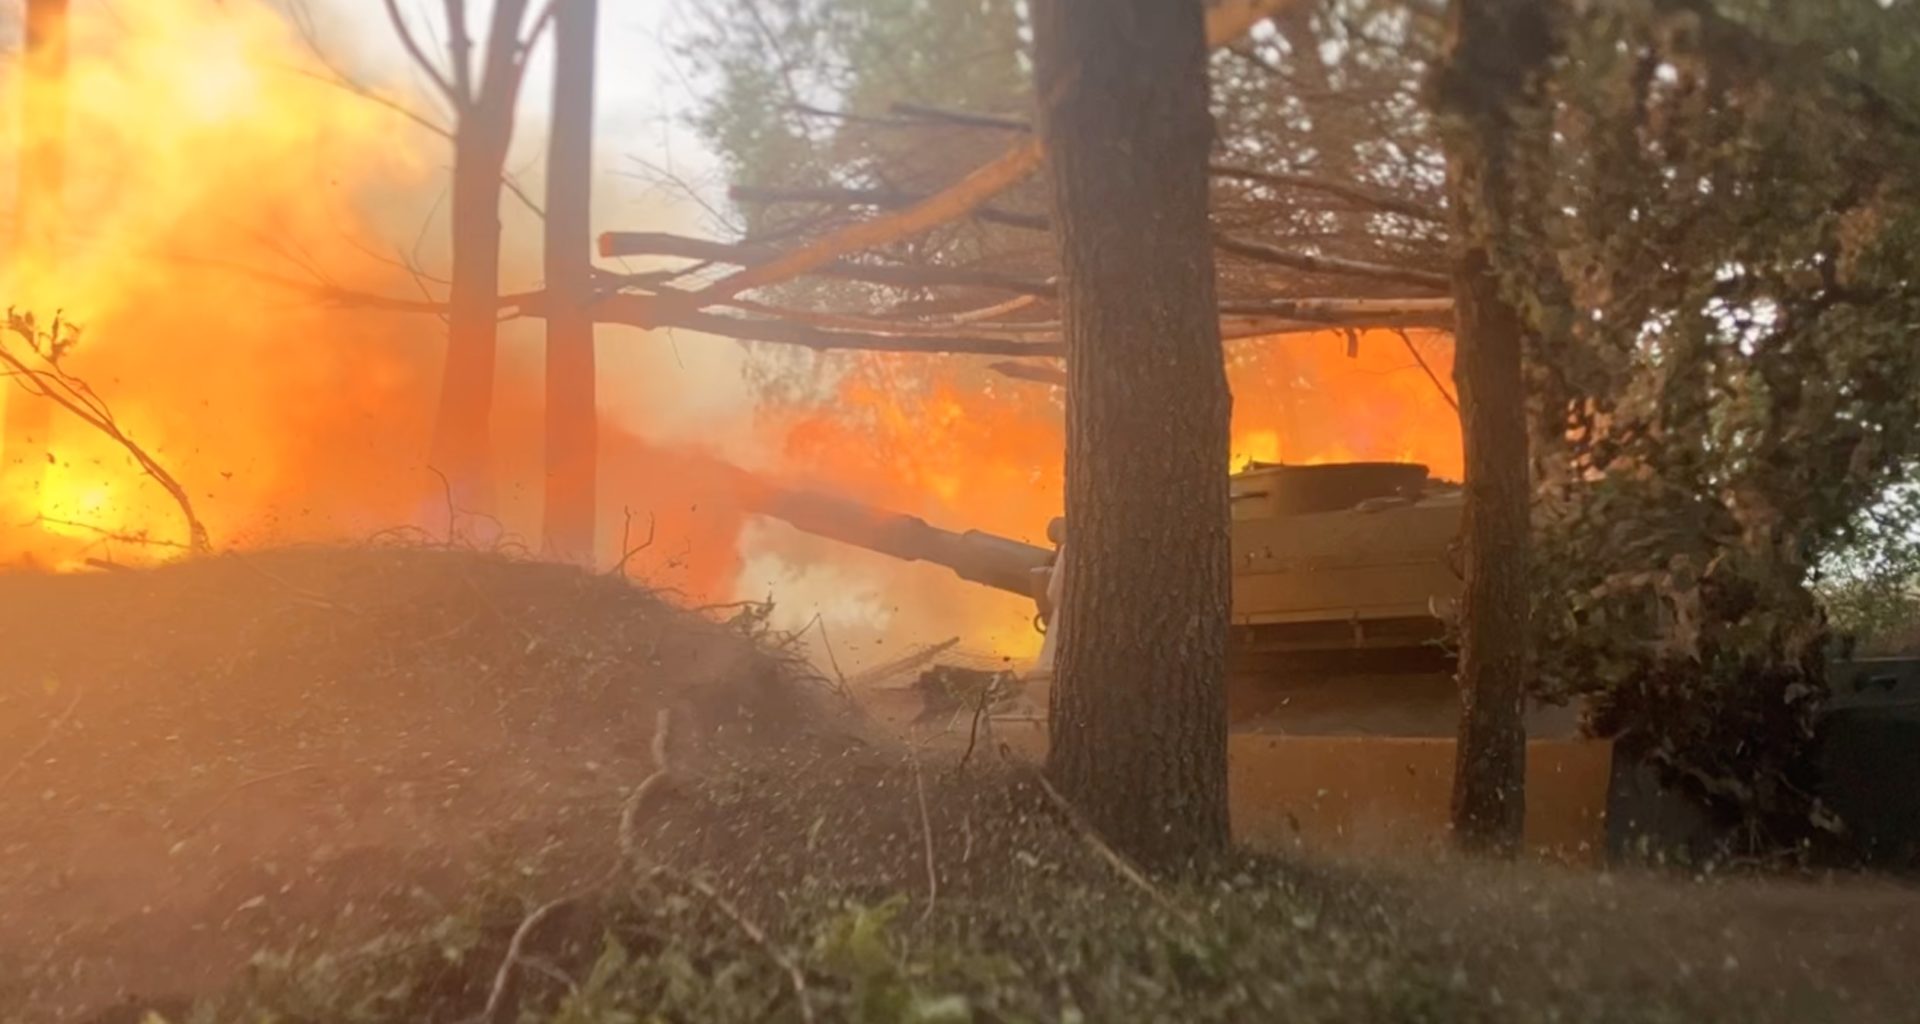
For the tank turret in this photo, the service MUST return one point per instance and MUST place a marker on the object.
(1326, 558)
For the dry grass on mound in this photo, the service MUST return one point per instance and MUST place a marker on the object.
(215, 755)
(373, 786)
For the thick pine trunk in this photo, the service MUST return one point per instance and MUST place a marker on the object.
(1138, 709)
(462, 421)
(571, 466)
(1489, 788)
(1494, 50)
(37, 215)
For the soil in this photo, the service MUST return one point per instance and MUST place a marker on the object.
(220, 781)
(204, 760)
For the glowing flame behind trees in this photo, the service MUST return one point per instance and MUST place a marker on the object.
(827, 117)
(257, 184)
(185, 169)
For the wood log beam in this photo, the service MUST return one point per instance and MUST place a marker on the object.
(648, 313)
(1226, 20)
(1262, 252)
(654, 243)
(877, 198)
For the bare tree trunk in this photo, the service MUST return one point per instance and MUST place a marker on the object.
(461, 442)
(460, 430)
(572, 417)
(29, 418)
(1139, 723)
(1495, 50)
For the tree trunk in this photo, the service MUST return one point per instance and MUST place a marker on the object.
(1495, 50)
(460, 430)
(37, 215)
(484, 130)
(572, 418)
(1138, 709)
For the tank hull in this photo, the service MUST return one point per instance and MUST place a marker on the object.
(1356, 753)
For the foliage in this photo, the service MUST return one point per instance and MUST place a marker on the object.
(1870, 586)
(806, 96)
(1031, 927)
(1719, 266)
(1720, 269)
(803, 98)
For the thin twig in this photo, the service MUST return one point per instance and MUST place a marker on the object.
(1422, 360)
(826, 643)
(926, 836)
(626, 553)
(729, 606)
(496, 1007)
(654, 783)
(1114, 858)
(873, 676)
(453, 514)
(979, 711)
(53, 729)
(340, 81)
(753, 931)
(495, 1010)
(420, 58)
(106, 534)
(629, 814)
(53, 383)
(541, 22)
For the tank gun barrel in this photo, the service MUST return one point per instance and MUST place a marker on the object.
(974, 555)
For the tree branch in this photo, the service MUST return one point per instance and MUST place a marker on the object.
(922, 112)
(541, 22)
(1039, 373)
(653, 243)
(1434, 312)
(52, 382)
(1331, 265)
(647, 313)
(460, 47)
(420, 57)
(1414, 351)
(1226, 20)
(947, 205)
(1359, 195)
(885, 199)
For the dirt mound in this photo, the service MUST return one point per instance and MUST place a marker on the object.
(214, 756)
(423, 786)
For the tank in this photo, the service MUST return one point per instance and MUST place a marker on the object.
(1344, 577)
(1340, 687)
